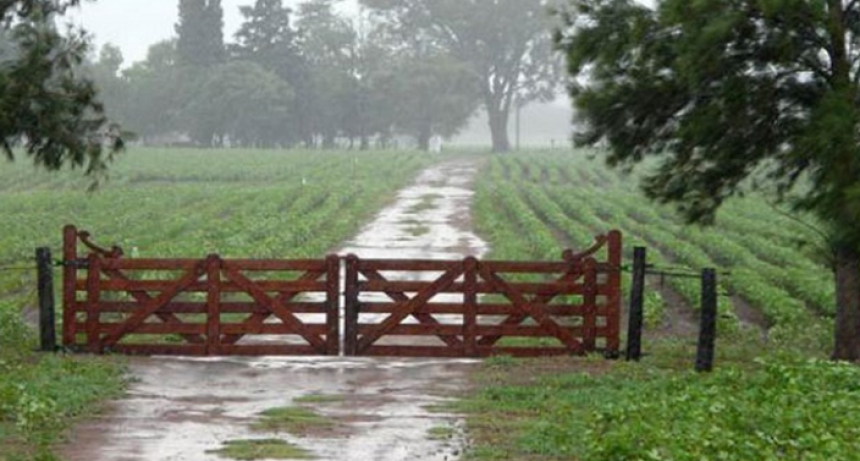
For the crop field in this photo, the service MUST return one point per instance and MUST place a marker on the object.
(774, 272)
(162, 203)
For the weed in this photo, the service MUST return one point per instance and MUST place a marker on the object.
(295, 420)
(441, 432)
(261, 449)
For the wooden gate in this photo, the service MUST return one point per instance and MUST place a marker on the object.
(463, 308)
(474, 308)
(209, 306)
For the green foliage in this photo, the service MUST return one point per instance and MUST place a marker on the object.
(295, 420)
(46, 106)
(787, 410)
(41, 395)
(200, 33)
(721, 91)
(774, 408)
(261, 449)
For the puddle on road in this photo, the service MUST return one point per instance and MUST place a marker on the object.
(179, 408)
(438, 205)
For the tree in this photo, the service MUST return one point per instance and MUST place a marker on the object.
(267, 38)
(200, 33)
(157, 90)
(721, 90)
(46, 105)
(327, 41)
(241, 101)
(507, 43)
(111, 85)
(432, 95)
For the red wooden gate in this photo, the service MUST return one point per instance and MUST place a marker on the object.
(465, 308)
(209, 306)
(474, 308)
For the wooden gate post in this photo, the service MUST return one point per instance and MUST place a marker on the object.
(708, 330)
(351, 305)
(332, 282)
(47, 331)
(70, 275)
(470, 306)
(213, 305)
(637, 297)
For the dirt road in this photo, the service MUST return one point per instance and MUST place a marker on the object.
(180, 409)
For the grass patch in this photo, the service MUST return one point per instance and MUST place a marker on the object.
(41, 395)
(417, 231)
(261, 449)
(781, 406)
(441, 432)
(295, 420)
(319, 398)
(427, 203)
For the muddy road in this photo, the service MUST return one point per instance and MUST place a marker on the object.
(181, 409)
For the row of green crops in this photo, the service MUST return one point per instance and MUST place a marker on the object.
(175, 203)
(532, 205)
(164, 203)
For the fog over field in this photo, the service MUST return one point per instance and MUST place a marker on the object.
(134, 25)
(328, 73)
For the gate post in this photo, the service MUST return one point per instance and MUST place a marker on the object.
(351, 306)
(213, 305)
(332, 281)
(613, 319)
(637, 296)
(589, 301)
(94, 273)
(47, 331)
(708, 329)
(70, 275)
(470, 303)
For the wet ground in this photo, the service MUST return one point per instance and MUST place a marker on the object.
(179, 409)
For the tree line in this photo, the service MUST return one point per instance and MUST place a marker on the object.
(312, 77)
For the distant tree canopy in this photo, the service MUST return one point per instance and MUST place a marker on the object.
(506, 43)
(200, 33)
(47, 106)
(346, 80)
(720, 91)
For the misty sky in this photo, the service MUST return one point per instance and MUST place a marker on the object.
(134, 25)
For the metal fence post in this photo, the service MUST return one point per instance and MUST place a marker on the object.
(45, 273)
(708, 329)
(637, 297)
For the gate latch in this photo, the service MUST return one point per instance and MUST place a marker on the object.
(80, 263)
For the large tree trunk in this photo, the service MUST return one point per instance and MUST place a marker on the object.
(499, 129)
(847, 304)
